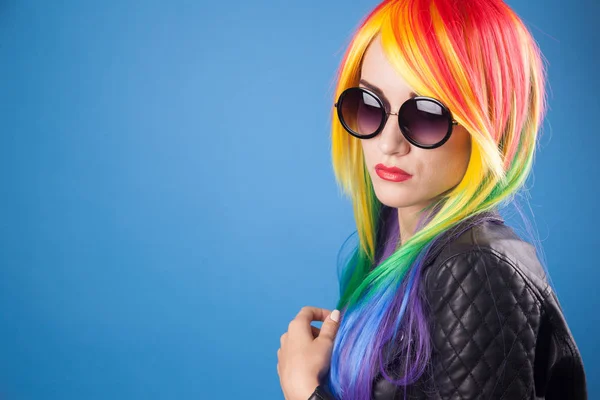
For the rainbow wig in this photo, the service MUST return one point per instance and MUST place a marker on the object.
(479, 59)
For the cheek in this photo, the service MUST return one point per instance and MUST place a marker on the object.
(452, 164)
(445, 166)
(455, 152)
(461, 151)
(368, 147)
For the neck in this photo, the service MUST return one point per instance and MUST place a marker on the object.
(407, 222)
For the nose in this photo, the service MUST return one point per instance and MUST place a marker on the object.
(391, 140)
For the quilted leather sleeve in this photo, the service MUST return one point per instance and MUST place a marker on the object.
(485, 319)
(321, 393)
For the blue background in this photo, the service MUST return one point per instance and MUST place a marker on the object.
(167, 202)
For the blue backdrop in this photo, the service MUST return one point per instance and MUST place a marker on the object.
(167, 202)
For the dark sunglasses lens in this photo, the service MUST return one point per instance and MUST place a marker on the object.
(361, 112)
(425, 121)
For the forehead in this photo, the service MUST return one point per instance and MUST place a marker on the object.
(378, 71)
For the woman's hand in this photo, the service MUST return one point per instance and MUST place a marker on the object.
(305, 353)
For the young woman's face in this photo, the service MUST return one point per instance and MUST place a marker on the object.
(433, 171)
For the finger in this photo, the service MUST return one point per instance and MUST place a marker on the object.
(300, 327)
(309, 314)
(330, 326)
(315, 331)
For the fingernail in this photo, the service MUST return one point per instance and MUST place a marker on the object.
(335, 315)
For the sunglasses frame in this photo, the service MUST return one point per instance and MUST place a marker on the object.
(385, 113)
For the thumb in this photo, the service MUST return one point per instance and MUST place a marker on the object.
(330, 326)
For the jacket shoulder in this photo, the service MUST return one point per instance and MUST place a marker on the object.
(498, 321)
(498, 244)
(496, 326)
(485, 317)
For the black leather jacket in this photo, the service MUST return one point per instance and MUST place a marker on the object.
(498, 328)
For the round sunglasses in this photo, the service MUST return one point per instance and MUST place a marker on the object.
(424, 121)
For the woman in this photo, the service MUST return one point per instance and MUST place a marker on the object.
(437, 112)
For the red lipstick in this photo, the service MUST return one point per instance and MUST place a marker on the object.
(393, 174)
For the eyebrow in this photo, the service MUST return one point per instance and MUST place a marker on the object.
(380, 92)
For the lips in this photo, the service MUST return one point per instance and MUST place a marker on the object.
(391, 170)
(393, 174)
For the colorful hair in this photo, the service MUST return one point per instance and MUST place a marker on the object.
(479, 59)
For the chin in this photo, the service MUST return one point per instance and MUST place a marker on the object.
(397, 198)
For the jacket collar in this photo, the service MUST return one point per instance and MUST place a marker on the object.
(458, 229)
